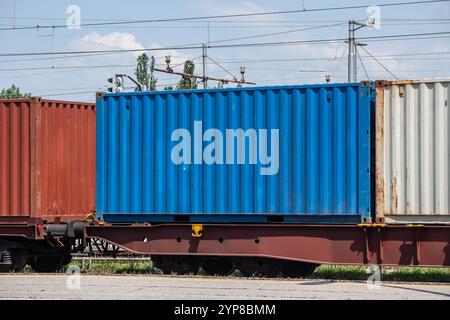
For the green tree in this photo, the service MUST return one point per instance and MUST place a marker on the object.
(153, 80)
(187, 82)
(13, 93)
(144, 72)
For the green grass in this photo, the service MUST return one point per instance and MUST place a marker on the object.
(115, 266)
(332, 272)
(404, 274)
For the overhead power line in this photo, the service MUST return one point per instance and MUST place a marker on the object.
(69, 67)
(276, 24)
(82, 56)
(66, 89)
(81, 67)
(296, 42)
(402, 56)
(218, 63)
(221, 67)
(362, 63)
(414, 20)
(113, 23)
(235, 45)
(86, 92)
(66, 93)
(334, 58)
(382, 65)
(278, 33)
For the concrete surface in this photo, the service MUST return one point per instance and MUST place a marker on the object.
(56, 286)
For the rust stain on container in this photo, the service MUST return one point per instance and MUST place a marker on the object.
(394, 195)
(47, 160)
(379, 154)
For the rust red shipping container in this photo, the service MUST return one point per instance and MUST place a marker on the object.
(47, 159)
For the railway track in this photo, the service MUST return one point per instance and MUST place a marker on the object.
(217, 267)
(98, 250)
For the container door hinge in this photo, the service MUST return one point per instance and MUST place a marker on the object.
(197, 230)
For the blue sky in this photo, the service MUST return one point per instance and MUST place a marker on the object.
(295, 64)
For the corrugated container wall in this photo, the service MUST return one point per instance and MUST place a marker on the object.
(47, 159)
(412, 148)
(297, 153)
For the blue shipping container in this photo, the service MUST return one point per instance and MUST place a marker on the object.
(265, 154)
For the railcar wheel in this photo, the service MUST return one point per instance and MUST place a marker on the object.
(162, 264)
(293, 269)
(260, 267)
(218, 266)
(47, 263)
(5, 260)
(176, 264)
(186, 265)
(19, 259)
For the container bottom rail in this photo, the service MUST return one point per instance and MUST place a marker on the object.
(263, 250)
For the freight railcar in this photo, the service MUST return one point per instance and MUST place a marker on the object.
(47, 180)
(275, 179)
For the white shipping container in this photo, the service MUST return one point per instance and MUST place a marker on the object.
(412, 151)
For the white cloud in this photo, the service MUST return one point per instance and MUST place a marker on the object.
(127, 41)
(119, 40)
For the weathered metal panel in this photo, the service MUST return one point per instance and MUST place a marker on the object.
(15, 157)
(47, 159)
(412, 149)
(305, 156)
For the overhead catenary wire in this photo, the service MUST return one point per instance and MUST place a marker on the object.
(85, 92)
(268, 34)
(67, 89)
(341, 58)
(68, 67)
(344, 71)
(334, 58)
(258, 26)
(403, 57)
(263, 69)
(362, 63)
(395, 19)
(233, 45)
(182, 63)
(331, 59)
(132, 65)
(211, 17)
(327, 41)
(66, 93)
(384, 67)
(277, 33)
(229, 73)
(82, 56)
